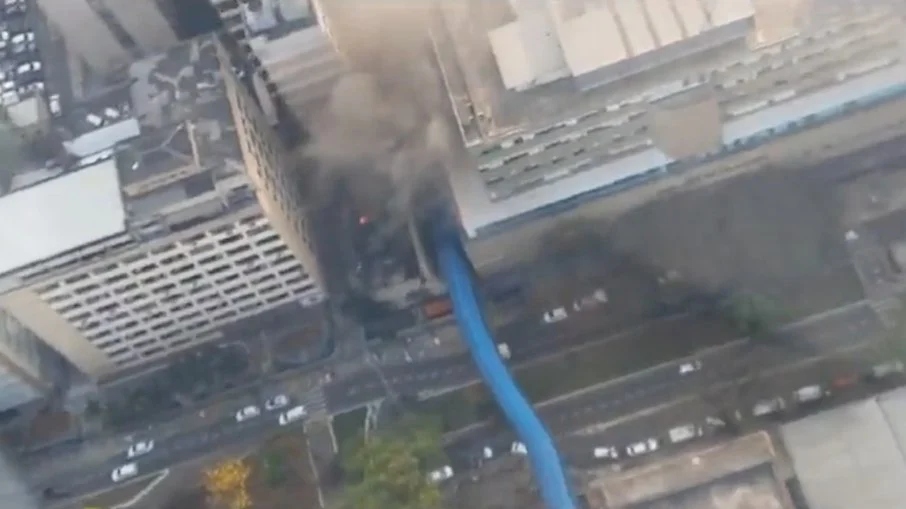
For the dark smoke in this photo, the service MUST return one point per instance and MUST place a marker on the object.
(384, 131)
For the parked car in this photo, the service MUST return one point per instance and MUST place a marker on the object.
(593, 300)
(249, 412)
(487, 453)
(140, 448)
(555, 315)
(886, 369)
(609, 452)
(643, 447)
(808, 394)
(292, 415)
(277, 402)
(684, 433)
(768, 407)
(123, 472)
(518, 448)
(690, 367)
(441, 474)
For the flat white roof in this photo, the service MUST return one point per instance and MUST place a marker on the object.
(852, 456)
(476, 210)
(527, 52)
(103, 138)
(591, 41)
(635, 26)
(61, 214)
(666, 25)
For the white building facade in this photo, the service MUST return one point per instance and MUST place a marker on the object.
(190, 226)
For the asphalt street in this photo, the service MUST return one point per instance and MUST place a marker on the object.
(855, 327)
(657, 422)
(355, 391)
(843, 328)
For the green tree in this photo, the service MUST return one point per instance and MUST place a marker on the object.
(754, 315)
(389, 469)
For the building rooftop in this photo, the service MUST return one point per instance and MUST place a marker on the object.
(60, 214)
(173, 141)
(852, 456)
(184, 117)
(276, 18)
(596, 140)
(740, 470)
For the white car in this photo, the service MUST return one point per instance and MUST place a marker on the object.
(555, 315)
(591, 300)
(277, 402)
(249, 412)
(606, 453)
(292, 415)
(441, 474)
(690, 367)
(487, 453)
(518, 448)
(124, 472)
(140, 448)
(643, 447)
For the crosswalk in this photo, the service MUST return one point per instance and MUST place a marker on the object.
(315, 402)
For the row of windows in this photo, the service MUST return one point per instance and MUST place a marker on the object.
(775, 59)
(125, 352)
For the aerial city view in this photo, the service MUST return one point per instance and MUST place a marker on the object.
(453, 254)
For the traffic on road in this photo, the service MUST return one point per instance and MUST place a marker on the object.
(814, 338)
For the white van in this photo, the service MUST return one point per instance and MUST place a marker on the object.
(768, 407)
(684, 433)
(808, 393)
(292, 415)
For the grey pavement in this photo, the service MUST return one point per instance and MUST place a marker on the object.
(854, 327)
(843, 328)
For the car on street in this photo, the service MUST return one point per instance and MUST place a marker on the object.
(590, 301)
(441, 474)
(277, 402)
(249, 412)
(690, 367)
(518, 448)
(140, 448)
(643, 447)
(123, 472)
(768, 406)
(808, 393)
(555, 315)
(292, 415)
(609, 452)
(487, 453)
(885, 369)
(684, 433)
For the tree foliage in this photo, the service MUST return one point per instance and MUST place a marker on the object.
(389, 469)
(753, 315)
(227, 483)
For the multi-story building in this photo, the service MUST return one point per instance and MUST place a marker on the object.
(596, 116)
(289, 46)
(29, 369)
(106, 34)
(192, 222)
